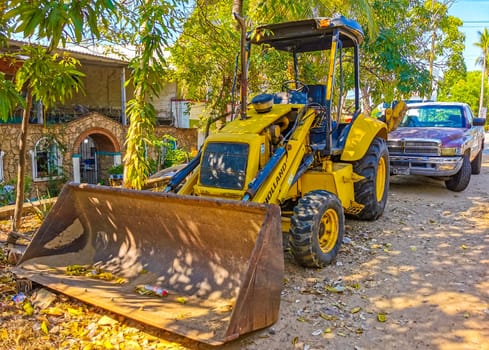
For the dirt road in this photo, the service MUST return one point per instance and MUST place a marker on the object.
(418, 278)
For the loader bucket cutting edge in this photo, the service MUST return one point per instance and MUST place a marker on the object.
(221, 261)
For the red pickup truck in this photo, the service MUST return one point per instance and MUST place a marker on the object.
(438, 139)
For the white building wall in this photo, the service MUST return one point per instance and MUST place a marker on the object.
(163, 104)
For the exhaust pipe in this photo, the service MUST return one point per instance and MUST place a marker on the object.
(244, 65)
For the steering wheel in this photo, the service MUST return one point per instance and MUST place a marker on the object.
(299, 86)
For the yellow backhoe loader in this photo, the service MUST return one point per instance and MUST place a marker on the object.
(284, 171)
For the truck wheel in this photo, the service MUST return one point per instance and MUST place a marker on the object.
(460, 180)
(317, 228)
(372, 190)
(477, 163)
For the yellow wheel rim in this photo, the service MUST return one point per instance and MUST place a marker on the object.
(380, 181)
(328, 230)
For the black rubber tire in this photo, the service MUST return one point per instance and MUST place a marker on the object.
(477, 163)
(460, 180)
(314, 213)
(366, 189)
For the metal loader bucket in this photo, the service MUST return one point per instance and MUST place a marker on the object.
(220, 261)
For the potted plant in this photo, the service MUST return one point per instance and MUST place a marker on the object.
(116, 172)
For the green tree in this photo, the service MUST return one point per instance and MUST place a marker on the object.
(146, 25)
(9, 98)
(206, 53)
(45, 76)
(274, 11)
(3, 24)
(449, 45)
(446, 42)
(483, 44)
(404, 58)
(150, 35)
(465, 89)
(395, 56)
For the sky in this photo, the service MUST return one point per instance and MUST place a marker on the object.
(475, 15)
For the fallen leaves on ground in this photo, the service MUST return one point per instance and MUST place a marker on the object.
(41, 319)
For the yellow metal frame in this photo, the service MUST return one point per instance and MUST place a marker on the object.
(339, 181)
(256, 144)
(360, 137)
(276, 187)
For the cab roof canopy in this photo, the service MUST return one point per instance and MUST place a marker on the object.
(309, 35)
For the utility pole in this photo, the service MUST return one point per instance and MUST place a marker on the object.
(432, 51)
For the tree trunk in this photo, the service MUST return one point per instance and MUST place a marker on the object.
(238, 7)
(19, 199)
(432, 50)
(365, 101)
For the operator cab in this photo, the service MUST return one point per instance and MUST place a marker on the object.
(325, 40)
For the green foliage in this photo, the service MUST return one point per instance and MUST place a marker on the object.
(9, 98)
(55, 184)
(173, 154)
(116, 169)
(465, 89)
(3, 24)
(7, 194)
(142, 117)
(396, 64)
(167, 153)
(175, 157)
(45, 77)
(483, 44)
(148, 26)
(274, 11)
(205, 55)
(483, 61)
(44, 207)
(7, 190)
(395, 55)
(27, 185)
(148, 69)
(50, 78)
(59, 21)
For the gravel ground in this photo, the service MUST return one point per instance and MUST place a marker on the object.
(417, 278)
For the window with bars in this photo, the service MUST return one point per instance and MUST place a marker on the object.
(46, 159)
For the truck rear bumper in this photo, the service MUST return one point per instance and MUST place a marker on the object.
(427, 166)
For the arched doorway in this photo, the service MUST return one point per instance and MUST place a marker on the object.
(96, 151)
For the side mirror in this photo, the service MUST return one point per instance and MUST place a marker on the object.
(479, 121)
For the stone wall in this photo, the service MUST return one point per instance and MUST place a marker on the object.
(69, 124)
(109, 135)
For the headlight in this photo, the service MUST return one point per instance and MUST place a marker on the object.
(450, 151)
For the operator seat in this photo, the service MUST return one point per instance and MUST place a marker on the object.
(316, 93)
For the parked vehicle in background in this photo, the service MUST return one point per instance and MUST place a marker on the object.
(438, 139)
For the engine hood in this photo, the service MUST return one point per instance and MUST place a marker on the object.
(444, 135)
